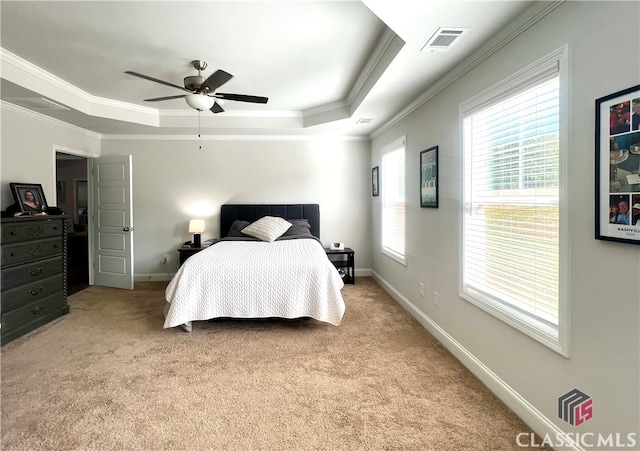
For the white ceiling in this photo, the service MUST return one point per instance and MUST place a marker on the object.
(322, 64)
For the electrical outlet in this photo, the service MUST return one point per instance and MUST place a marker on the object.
(435, 298)
(165, 259)
(421, 289)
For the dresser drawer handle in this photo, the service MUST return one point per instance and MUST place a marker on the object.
(35, 230)
(36, 272)
(35, 250)
(36, 291)
(13, 254)
(38, 310)
(12, 233)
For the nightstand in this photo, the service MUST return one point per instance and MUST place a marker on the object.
(344, 259)
(186, 252)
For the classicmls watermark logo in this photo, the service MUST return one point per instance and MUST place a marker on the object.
(575, 407)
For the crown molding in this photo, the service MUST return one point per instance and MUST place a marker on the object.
(25, 66)
(234, 113)
(326, 108)
(235, 138)
(17, 70)
(49, 120)
(521, 24)
(387, 48)
(377, 57)
(6, 106)
(26, 74)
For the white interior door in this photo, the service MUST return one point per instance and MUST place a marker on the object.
(113, 222)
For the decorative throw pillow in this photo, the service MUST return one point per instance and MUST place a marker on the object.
(267, 228)
(299, 227)
(236, 228)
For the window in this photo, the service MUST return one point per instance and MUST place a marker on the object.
(512, 257)
(392, 189)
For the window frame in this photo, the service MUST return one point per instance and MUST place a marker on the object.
(555, 338)
(398, 144)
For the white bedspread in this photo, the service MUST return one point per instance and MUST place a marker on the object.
(240, 279)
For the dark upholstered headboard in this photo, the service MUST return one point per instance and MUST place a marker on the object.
(253, 212)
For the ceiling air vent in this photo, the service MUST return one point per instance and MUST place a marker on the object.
(443, 39)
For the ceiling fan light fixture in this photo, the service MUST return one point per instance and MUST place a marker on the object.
(200, 102)
(202, 91)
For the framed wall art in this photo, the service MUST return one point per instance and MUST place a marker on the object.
(375, 182)
(29, 197)
(429, 178)
(618, 166)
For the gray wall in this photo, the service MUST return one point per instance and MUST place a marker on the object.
(174, 181)
(604, 277)
(28, 149)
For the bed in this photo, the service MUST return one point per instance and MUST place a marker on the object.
(263, 275)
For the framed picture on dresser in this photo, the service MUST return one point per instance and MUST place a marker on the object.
(29, 197)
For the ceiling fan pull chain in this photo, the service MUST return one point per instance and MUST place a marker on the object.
(199, 136)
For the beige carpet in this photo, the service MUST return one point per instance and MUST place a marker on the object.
(107, 376)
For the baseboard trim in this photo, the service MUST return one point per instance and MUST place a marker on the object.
(523, 408)
(153, 277)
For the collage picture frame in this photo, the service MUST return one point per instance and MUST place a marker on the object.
(617, 142)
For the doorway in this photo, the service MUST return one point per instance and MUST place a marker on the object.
(71, 192)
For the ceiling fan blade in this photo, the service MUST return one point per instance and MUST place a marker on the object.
(159, 99)
(216, 108)
(215, 80)
(146, 77)
(241, 97)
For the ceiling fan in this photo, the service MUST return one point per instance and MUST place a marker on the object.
(202, 92)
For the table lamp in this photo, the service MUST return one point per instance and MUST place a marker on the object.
(196, 226)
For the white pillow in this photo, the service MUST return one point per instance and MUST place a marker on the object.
(268, 228)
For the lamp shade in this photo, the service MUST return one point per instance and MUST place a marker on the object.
(196, 226)
(200, 102)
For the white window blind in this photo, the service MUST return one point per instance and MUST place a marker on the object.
(392, 187)
(511, 218)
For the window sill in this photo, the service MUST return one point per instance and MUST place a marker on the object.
(542, 333)
(395, 256)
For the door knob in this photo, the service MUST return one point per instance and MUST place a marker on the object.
(129, 229)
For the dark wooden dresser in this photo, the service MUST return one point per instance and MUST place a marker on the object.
(34, 273)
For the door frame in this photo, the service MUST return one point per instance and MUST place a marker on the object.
(89, 156)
